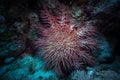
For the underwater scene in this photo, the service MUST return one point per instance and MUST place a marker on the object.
(59, 39)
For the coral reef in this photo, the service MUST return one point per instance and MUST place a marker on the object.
(59, 40)
(32, 68)
(98, 72)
